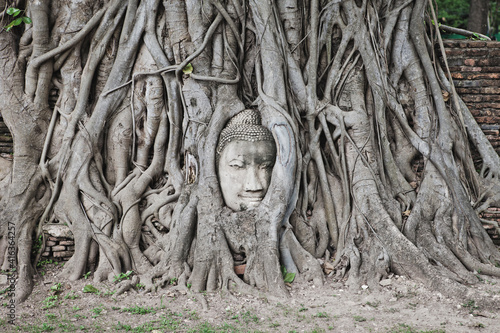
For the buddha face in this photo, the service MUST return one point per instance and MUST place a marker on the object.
(245, 170)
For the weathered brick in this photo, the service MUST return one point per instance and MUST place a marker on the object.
(488, 105)
(469, 62)
(449, 43)
(45, 254)
(481, 76)
(493, 44)
(478, 83)
(480, 98)
(58, 248)
(482, 91)
(454, 53)
(485, 120)
(63, 254)
(475, 76)
(455, 62)
(477, 52)
(67, 242)
(471, 44)
(50, 243)
(460, 83)
(489, 62)
(492, 69)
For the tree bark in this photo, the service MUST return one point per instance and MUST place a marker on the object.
(373, 169)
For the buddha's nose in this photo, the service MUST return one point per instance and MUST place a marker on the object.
(252, 180)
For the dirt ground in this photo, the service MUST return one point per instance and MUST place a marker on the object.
(400, 306)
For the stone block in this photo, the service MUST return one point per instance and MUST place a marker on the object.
(63, 254)
(58, 248)
(58, 231)
(67, 242)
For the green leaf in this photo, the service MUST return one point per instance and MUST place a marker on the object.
(26, 20)
(56, 287)
(17, 21)
(188, 69)
(13, 11)
(90, 289)
(289, 277)
(8, 27)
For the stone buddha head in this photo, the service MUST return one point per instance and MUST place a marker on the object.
(246, 153)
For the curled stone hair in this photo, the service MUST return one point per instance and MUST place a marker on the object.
(245, 126)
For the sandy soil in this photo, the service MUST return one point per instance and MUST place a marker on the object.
(400, 306)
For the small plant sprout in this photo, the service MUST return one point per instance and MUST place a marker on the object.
(123, 276)
(287, 277)
(56, 288)
(90, 289)
(49, 302)
(15, 12)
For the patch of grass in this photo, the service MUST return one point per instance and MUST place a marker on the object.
(69, 327)
(321, 315)
(56, 288)
(302, 308)
(97, 311)
(71, 295)
(49, 302)
(471, 305)
(50, 316)
(209, 328)
(121, 326)
(403, 328)
(45, 262)
(123, 276)
(193, 315)
(139, 310)
(90, 289)
(318, 330)
(392, 310)
(373, 304)
(107, 293)
(359, 318)
(248, 317)
(79, 316)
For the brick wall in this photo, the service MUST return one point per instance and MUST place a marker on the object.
(5, 138)
(475, 69)
(59, 244)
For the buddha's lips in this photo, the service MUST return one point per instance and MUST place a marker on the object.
(251, 197)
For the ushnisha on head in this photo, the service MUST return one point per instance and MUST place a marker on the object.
(246, 153)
